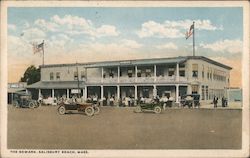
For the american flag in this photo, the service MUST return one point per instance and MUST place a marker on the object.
(38, 47)
(190, 32)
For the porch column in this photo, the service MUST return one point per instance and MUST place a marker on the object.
(189, 89)
(177, 73)
(118, 74)
(177, 94)
(136, 92)
(39, 93)
(102, 75)
(135, 73)
(86, 75)
(53, 93)
(118, 92)
(85, 93)
(67, 93)
(102, 93)
(154, 91)
(154, 73)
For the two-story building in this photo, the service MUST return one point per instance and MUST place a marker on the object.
(145, 78)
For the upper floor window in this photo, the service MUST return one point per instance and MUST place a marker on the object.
(138, 73)
(130, 73)
(111, 74)
(75, 76)
(51, 76)
(203, 73)
(195, 70)
(58, 76)
(148, 72)
(170, 71)
(82, 75)
(182, 71)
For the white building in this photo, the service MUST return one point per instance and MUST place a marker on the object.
(135, 78)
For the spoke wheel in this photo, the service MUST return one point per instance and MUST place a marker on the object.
(138, 109)
(61, 110)
(89, 111)
(157, 109)
(97, 110)
(32, 105)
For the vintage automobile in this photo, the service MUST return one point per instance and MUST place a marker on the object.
(24, 100)
(190, 100)
(154, 106)
(88, 108)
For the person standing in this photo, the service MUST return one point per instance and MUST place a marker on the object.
(215, 101)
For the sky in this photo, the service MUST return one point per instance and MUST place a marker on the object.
(84, 34)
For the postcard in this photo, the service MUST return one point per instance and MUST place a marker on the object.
(124, 79)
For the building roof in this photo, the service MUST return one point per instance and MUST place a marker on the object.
(56, 84)
(173, 60)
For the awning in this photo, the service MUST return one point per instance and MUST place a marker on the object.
(56, 85)
(14, 90)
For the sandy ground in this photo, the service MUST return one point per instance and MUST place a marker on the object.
(121, 128)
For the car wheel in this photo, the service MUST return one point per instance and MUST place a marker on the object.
(15, 104)
(138, 109)
(32, 105)
(89, 111)
(157, 109)
(97, 110)
(61, 110)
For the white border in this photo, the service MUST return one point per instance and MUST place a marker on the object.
(131, 153)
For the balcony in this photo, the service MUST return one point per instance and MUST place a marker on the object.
(165, 79)
(145, 79)
(159, 79)
(127, 79)
(94, 80)
(110, 80)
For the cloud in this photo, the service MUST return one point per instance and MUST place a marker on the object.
(12, 27)
(33, 34)
(231, 46)
(75, 25)
(47, 26)
(130, 43)
(167, 46)
(154, 29)
(173, 29)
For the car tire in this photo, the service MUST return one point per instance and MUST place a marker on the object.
(89, 111)
(61, 110)
(97, 110)
(32, 105)
(15, 104)
(157, 109)
(138, 109)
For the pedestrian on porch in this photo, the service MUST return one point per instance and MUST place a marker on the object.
(215, 101)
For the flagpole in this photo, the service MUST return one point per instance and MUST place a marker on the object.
(43, 52)
(193, 41)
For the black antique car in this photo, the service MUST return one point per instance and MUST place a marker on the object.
(153, 106)
(190, 100)
(24, 100)
(88, 108)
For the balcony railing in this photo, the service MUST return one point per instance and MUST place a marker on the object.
(159, 79)
(166, 78)
(127, 79)
(145, 79)
(94, 80)
(110, 80)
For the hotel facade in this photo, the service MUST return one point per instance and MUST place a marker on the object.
(135, 79)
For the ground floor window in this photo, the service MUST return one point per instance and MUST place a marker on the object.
(203, 93)
(195, 89)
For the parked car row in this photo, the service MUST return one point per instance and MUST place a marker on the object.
(24, 100)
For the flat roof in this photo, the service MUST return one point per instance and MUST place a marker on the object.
(180, 59)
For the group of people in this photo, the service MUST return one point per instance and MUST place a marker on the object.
(223, 101)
